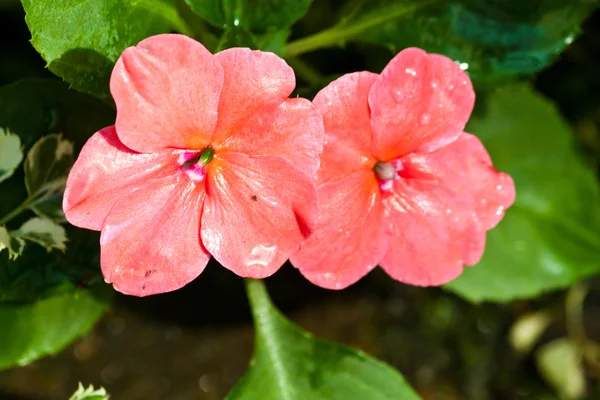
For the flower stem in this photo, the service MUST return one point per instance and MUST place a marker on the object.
(260, 302)
(341, 32)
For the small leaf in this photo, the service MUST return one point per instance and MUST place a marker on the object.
(289, 363)
(11, 154)
(560, 364)
(89, 393)
(47, 165)
(81, 40)
(257, 16)
(46, 168)
(44, 232)
(14, 245)
(549, 238)
(527, 330)
(34, 330)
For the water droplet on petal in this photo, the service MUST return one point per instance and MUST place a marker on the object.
(424, 119)
(450, 87)
(499, 187)
(347, 233)
(500, 211)
(261, 255)
(411, 71)
(448, 211)
(463, 66)
(434, 84)
(398, 96)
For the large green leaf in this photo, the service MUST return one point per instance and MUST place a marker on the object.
(550, 238)
(81, 39)
(31, 331)
(257, 16)
(491, 39)
(290, 364)
(32, 109)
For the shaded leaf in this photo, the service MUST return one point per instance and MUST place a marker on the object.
(289, 363)
(34, 330)
(89, 393)
(14, 245)
(44, 232)
(257, 16)
(560, 364)
(550, 238)
(493, 40)
(236, 37)
(11, 154)
(81, 39)
(32, 109)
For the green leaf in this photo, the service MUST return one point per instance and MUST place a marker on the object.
(46, 168)
(560, 363)
(492, 39)
(11, 154)
(550, 238)
(289, 363)
(89, 393)
(34, 330)
(44, 232)
(257, 16)
(14, 245)
(81, 39)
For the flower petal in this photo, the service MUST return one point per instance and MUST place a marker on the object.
(253, 80)
(349, 239)
(434, 233)
(105, 171)
(465, 167)
(167, 92)
(257, 211)
(420, 102)
(292, 130)
(346, 115)
(151, 238)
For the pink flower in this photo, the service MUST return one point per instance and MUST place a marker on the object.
(400, 184)
(208, 156)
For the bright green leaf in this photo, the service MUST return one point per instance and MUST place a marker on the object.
(44, 232)
(89, 393)
(257, 16)
(33, 330)
(81, 39)
(14, 245)
(11, 154)
(290, 364)
(550, 238)
(491, 39)
(560, 363)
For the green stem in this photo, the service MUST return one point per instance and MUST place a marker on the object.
(306, 71)
(260, 302)
(22, 207)
(337, 34)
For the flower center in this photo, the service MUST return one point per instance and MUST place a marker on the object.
(194, 164)
(386, 173)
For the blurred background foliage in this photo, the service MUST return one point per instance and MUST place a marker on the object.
(522, 324)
